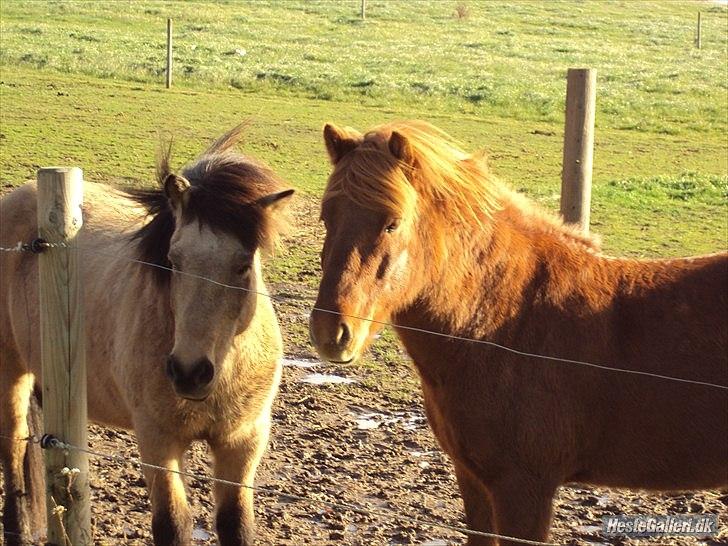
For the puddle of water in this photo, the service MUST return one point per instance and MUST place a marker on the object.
(367, 424)
(417, 453)
(603, 501)
(588, 529)
(367, 420)
(326, 379)
(299, 362)
(200, 534)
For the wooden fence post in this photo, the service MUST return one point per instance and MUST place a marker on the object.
(169, 53)
(699, 37)
(363, 9)
(576, 175)
(63, 356)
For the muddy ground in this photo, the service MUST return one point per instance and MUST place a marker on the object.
(365, 443)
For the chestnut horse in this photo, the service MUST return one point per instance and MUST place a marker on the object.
(420, 234)
(172, 356)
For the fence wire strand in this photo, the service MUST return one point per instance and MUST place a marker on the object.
(414, 329)
(378, 512)
(20, 247)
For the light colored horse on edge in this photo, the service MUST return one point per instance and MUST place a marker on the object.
(171, 356)
(420, 233)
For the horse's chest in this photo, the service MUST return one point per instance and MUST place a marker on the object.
(229, 413)
(440, 420)
(467, 423)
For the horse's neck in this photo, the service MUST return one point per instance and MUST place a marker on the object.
(260, 343)
(490, 280)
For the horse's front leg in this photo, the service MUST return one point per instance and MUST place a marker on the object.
(17, 515)
(236, 461)
(522, 505)
(478, 511)
(171, 518)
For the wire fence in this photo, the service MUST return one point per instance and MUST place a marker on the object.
(49, 442)
(382, 513)
(20, 247)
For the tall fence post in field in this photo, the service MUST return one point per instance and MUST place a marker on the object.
(699, 32)
(363, 9)
(63, 356)
(576, 175)
(169, 53)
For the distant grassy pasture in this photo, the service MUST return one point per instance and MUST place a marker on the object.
(81, 83)
(505, 58)
(653, 194)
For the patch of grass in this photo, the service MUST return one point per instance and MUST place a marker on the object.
(649, 190)
(651, 78)
(653, 195)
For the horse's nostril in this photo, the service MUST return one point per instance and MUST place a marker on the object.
(344, 335)
(171, 368)
(203, 372)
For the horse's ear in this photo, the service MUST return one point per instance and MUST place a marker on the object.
(340, 142)
(174, 188)
(276, 201)
(401, 148)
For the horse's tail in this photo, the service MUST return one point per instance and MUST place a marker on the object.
(34, 470)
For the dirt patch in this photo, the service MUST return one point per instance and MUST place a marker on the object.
(363, 442)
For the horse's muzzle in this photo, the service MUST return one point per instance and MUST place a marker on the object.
(332, 336)
(191, 382)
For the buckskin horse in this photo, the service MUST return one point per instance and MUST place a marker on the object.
(170, 355)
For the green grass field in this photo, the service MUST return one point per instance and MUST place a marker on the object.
(82, 83)
(503, 58)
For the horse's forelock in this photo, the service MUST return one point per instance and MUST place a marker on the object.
(372, 178)
(454, 183)
(225, 188)
(225, 192)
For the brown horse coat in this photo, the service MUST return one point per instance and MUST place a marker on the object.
(421, 234)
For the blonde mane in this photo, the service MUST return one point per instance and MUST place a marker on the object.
(457, 185)
(444, 175)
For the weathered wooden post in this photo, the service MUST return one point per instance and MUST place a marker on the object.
(363, 9)
(169, 53)
(576, 175)
(699, 33)
(63, 356)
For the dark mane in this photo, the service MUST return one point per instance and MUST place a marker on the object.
(225, 189)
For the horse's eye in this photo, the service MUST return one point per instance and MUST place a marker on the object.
(243, 270)
(392, 226)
